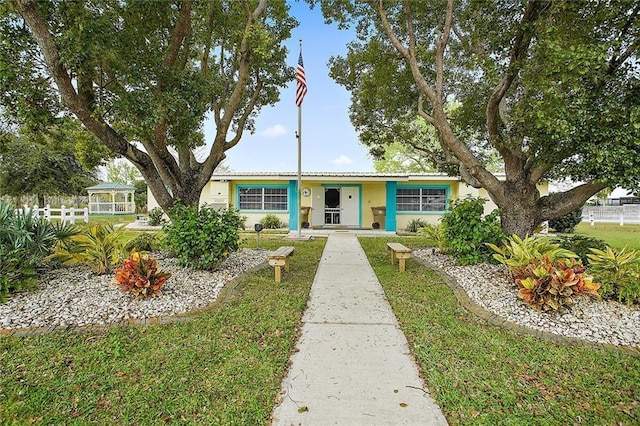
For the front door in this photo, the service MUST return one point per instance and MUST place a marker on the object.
(350, 205)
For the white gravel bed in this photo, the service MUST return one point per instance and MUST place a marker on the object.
(76, 297)
(490, 287)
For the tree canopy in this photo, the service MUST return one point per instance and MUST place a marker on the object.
(142, 77)
(551, 86)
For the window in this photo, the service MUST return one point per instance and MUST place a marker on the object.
(263, 199)
(421, 199)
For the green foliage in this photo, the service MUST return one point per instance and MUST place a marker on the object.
(144, 242)
(581, 245)
(140, 276)
(156, 216)
(98, 247)
(415, 225)
(271, 221)
(434, 235)
(516, 252)
(159, 89)
(36, 168)
(202, 238)
(24, 242)
(619, 273)
(567, 223)
(467, 231)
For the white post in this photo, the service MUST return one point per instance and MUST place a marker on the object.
(621, 219)
(86, 215)
(26, 209)
(73, 215)
(591, 219)
(36, 211)
(47, 212)
(63, 214)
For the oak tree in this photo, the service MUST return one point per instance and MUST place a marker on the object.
(551, 86)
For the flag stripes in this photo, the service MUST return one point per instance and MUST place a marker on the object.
(301, 87)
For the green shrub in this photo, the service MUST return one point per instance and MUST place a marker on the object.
(567, 223)
(25, 241)
(156, 216)
(98, 248)
(144, 242)
(202, 238)
(466, 230)
(618, 272)
(415, 225)
(271, 221)
(434, 236)
(581, 245)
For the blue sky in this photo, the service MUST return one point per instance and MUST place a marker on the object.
(329, 141)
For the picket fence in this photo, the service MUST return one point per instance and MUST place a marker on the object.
(64, 214)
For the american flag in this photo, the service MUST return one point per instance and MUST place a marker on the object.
(301, 87)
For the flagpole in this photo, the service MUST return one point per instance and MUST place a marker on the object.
(299, 136)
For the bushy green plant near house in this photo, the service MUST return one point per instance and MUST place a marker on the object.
(581, 245)
(467, 230)
(156, 216)
(567, 223)
(98, 248)
(203, 238)
(271, 221)
(415, 225)
(144, 242)
(434, 236)
(618, 272)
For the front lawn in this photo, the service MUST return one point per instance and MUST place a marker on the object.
(612, 233)
(220, 367)
(483, 374)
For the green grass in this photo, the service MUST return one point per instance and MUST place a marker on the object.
(612, 233)
(223, 366)
(484, 374)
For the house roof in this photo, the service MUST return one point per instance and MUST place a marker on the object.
(344, 176)
(111, 186)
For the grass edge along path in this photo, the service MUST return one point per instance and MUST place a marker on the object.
(480, 373)
(222, 366)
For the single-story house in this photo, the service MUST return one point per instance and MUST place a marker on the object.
(338, 200)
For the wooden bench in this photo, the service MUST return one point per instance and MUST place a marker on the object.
(399, 253)
(280, 258)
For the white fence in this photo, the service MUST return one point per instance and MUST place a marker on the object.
(628, 213)
(64, 214)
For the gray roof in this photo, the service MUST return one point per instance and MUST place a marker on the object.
(111, 186)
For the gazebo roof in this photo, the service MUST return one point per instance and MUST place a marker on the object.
(111, 186)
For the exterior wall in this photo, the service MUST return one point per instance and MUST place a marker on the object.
(372, 193)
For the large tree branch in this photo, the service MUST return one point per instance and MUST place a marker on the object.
(519, 48)
(557, 205)
(178, 34)
(441, 45)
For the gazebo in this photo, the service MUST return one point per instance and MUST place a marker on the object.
(111, 198)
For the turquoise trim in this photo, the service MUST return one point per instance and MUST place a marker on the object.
(447, 193)
(359, 186)
(390, 223)
(257, 185)
(293, 205)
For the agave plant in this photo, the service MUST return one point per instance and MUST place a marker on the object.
(140, 276)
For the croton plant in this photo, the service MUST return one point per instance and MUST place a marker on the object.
(140, 276)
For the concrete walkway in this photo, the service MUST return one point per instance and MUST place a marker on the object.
(353, 365)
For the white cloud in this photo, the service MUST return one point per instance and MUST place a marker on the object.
(342, 160)
(274, 131)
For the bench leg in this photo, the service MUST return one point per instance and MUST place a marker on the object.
(278, 273)
(393, 257)
(286, 264)
(402, 265)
